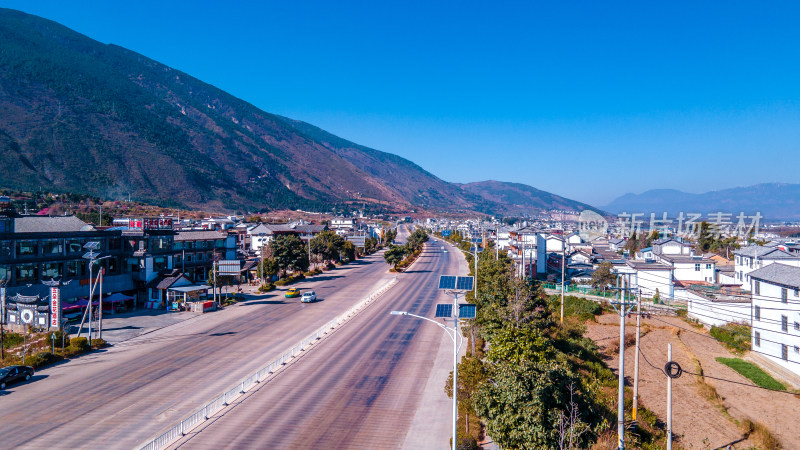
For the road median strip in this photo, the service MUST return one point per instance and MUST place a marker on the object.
(219, 403)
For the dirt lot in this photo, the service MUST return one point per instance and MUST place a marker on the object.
(699, 420)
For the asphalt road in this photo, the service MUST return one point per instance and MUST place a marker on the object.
(358, 388)
(124, 395)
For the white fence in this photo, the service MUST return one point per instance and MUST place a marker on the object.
(212, 407)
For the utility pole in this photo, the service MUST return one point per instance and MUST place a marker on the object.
(563, 266)
(622, 308)
(636, 358)
(669, 401)
(100, 312)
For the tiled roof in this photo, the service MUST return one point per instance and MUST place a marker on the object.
(778, 274)
(757, 251)
(199, 236)
(45, 224)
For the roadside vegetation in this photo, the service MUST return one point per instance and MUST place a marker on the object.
(402, 256)
(734, 336)
(752, 372)
(534, 382)
(38, 348)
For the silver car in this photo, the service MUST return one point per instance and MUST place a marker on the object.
(309, 297)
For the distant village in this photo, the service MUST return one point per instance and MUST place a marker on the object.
(757, 283)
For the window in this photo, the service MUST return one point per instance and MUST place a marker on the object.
(115, 244)
(26, 248)
(797, 292)
(52, 247)
(27, 272)
(697, 267)
(758, 287)
(5, 249)
(784, 352)
(74, 246)
(52, 270)
(738, 260)
(756, 312)
(784, 295)
(757, 339)
(784, 324)
(159, 263)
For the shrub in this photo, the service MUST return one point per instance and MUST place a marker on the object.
(12, 339)
(266, 287)
(467, 442)
(98, 343)
(80, 344)
(41, 359)
(736, 337)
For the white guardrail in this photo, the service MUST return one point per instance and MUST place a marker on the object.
(219, 403)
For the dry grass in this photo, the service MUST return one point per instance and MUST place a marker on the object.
(760, 435)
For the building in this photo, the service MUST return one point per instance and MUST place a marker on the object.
(195, 251)
(672, 246)
(755, 257)
(652, 277)
(690, 268)
(775, 293)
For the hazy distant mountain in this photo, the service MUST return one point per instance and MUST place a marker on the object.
(517, 198)
(80, 116)
(772, 200)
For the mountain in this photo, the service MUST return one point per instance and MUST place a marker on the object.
(77, 115)
(772, 200)
(516, 198)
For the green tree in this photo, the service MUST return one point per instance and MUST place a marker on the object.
(328, 246)
(471, 374)
(524, 404)
(604, 275)
(348, 251)
(395, 254)
(268, 268)
(289, 252)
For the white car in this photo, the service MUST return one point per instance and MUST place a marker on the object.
(309, 297)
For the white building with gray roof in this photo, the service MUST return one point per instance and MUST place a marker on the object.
(775, 291)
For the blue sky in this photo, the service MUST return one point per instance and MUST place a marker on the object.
(589, 100)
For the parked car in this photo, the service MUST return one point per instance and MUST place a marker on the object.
(309, 297)
(293, 292)
(13, 374)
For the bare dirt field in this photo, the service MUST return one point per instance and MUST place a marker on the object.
(700, 418)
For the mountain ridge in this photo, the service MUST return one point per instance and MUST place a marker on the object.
(81, 116)
(771, 200)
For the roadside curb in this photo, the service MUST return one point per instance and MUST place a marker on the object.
(221, 402)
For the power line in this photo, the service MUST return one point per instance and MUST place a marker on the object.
(711, 337)
(715, 378)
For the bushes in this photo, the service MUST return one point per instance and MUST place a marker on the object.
(98, 343)
(42, 359)
(578, 307)
(12, 339)
(736, 337)
(290, 280)
(266, 287)
(80, 344)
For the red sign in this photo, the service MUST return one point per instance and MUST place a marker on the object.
(55, 307)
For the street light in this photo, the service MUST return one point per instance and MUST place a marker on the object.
(454, 285)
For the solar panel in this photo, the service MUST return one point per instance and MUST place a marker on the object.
(464, 283)
(444, 310)
(447, 282)
(466, 311)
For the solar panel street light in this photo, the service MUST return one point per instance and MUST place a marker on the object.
(466, 311)
(444, 310)
(447, 282)
(92, 245)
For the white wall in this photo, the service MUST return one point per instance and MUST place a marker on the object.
(769, 325)
(714, 313)
(688, 272)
